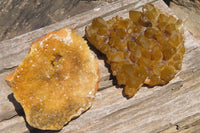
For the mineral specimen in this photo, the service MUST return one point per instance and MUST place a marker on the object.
(146, 48)
(56, 81)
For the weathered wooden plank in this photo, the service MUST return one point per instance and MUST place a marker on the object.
(190, 124)
(150, 110)
(16, 16)
(191, 4)
(14, 50)
(18, 46)
(191, 18)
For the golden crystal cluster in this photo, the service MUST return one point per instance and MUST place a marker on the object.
(146, 48)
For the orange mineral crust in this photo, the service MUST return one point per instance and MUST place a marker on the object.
(146, 48)
(56, 81)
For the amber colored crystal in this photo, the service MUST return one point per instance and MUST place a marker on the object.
(146, 48)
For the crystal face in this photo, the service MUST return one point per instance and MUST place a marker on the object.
(146, 48)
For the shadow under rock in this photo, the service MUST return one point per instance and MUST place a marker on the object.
(101, 56)
(167, 2)
(17, 105)
(35, 130)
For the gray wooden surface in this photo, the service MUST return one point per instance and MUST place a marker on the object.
(190, 15)
(22, 16)
(174, 107)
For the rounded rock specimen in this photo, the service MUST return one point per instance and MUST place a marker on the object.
(56, 81)
(146, 48)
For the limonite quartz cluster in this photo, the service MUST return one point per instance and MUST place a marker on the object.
(146, 48)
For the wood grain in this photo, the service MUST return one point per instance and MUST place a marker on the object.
(193, 5)
(191, 18)
(170, 108)
(17, 16)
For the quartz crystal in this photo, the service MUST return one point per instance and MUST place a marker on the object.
(146, 48)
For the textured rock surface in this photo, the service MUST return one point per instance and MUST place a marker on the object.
(56, 81)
